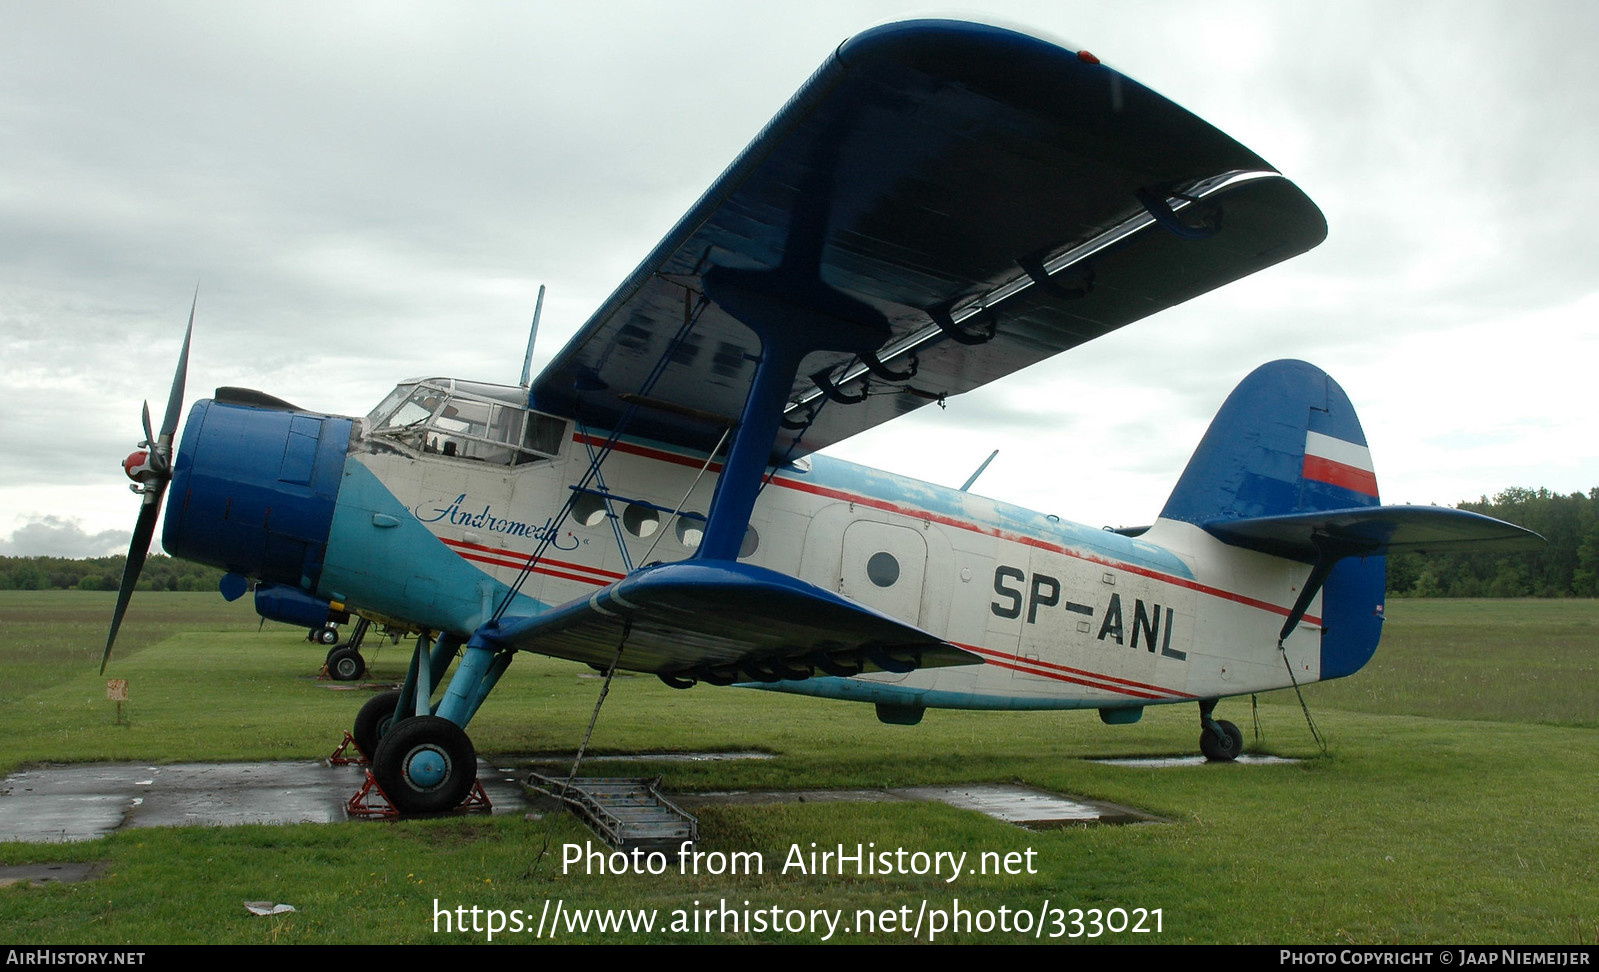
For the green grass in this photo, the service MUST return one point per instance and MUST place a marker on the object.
(1420, 826)
(49, 636)
(1500, 660)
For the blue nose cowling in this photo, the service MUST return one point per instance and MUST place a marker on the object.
(253, 490)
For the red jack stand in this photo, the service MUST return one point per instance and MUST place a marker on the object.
(476, 802)
(339, 759)
(371, 801)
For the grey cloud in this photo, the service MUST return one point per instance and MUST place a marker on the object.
(56, 536)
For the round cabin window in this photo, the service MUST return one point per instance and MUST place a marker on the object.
(882, 569)
(641, 521)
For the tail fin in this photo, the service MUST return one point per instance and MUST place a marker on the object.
(1286, 441)
(1287, 447)
(1284, 470)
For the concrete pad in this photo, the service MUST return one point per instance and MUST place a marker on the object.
(70, 803)
(1027, 807)
(64, 872)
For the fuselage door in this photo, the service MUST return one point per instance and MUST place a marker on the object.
(884, 567)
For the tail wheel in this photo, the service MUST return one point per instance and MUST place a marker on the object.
(425, 765)
(374, 721)
(1224, 746)
(346, 665)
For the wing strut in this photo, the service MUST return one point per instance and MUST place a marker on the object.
(794, 314)
(1329, 550)
(597, 459)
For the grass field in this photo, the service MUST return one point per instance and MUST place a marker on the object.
(1455, 805)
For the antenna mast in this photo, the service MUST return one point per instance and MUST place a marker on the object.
(533, 332)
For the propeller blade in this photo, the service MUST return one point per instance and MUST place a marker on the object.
(169, 425)
(138, 550)
(161, 459)
(157, 460)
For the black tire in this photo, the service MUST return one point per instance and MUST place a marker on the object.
(326, 636)
(1235, 734)
(373, 722)
(1222, 748)
(346, 665)
(425, 765)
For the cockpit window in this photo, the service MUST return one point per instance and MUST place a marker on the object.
(374, 418)
(442, 417)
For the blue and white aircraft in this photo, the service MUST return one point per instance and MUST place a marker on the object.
(940, 205)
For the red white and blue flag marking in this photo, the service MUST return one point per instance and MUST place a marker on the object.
(1339, 463)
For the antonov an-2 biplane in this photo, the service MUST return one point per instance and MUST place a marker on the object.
(940, 205)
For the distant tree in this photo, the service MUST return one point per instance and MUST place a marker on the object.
(161, 573)
(1566, 566)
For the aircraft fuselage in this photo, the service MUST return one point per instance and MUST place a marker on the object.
(433, 533)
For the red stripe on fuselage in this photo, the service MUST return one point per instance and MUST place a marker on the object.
(537, 570)
(1077, 681)
(501, 557)
(889, 507)
(1066, 673)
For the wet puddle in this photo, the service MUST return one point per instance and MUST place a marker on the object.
(1020, 805)
(1168, 762)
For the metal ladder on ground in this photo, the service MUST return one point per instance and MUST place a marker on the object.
(625, 812)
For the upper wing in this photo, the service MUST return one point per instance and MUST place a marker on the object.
(984, 198)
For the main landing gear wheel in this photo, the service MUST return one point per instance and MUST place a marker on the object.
(374, 721)
(346, 665)
(1222, 747)
(425, 765)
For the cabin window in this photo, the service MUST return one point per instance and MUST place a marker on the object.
(690, 531)
(640, 520)
(882, 569)
(588, 510)
(544, 433)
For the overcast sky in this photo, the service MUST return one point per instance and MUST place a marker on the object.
(366, 192)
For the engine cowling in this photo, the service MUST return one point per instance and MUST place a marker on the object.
(254, 488)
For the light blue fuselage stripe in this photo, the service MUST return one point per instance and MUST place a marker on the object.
(442, 589)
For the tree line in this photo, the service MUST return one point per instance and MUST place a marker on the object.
(1567, 566)
(161, 573)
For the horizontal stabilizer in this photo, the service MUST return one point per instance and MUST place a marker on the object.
(1365, 531)
(724, 622)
